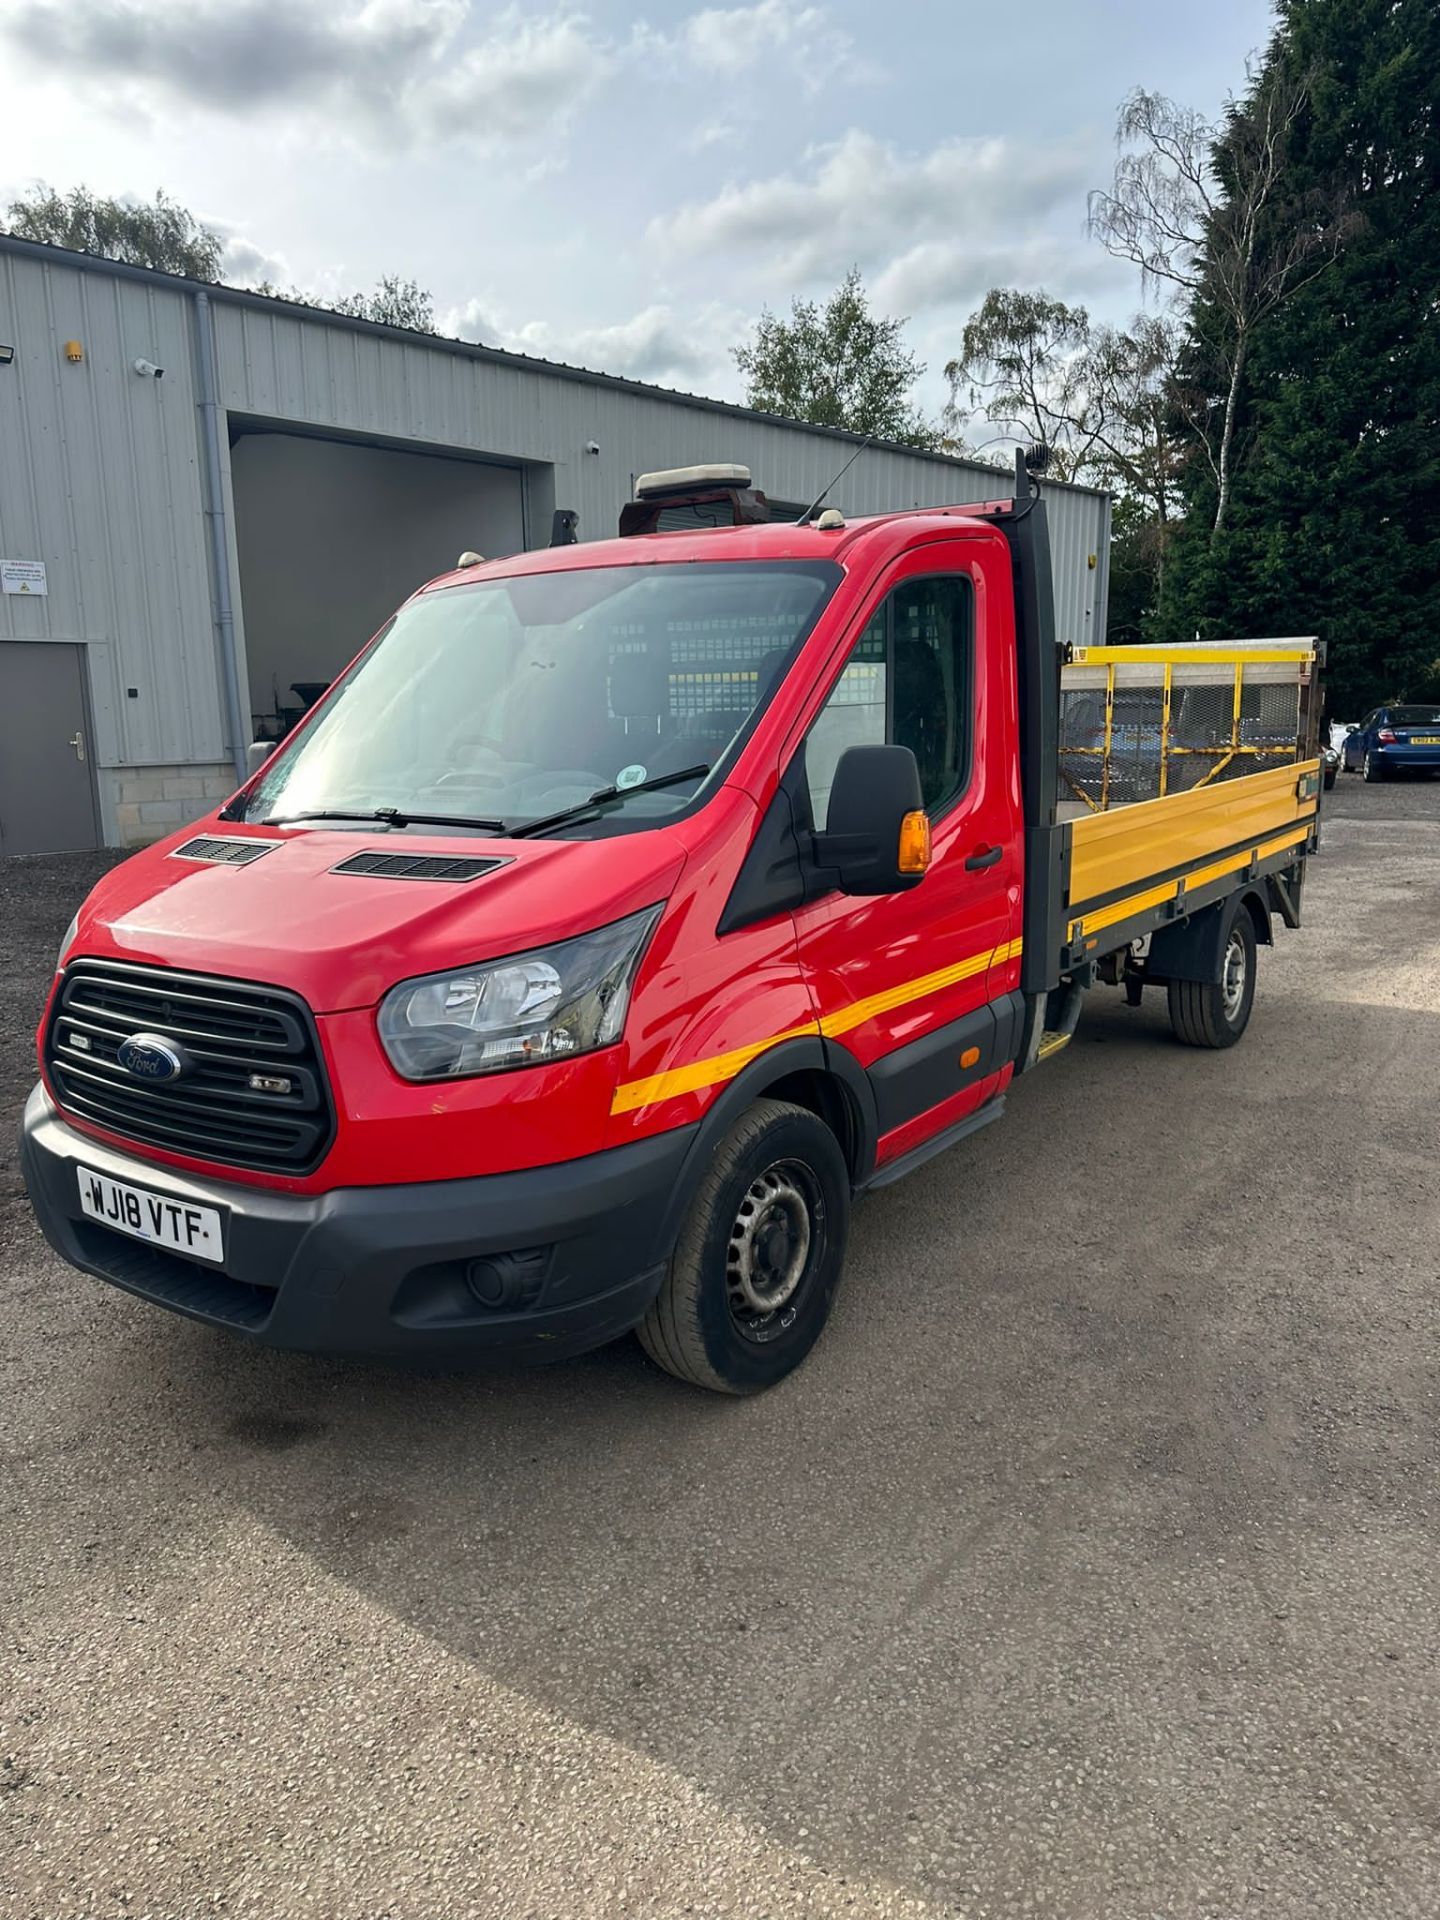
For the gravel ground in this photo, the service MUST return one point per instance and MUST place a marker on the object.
(1088, 1569)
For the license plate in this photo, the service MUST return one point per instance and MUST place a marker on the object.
(197, 1232)
(1425, 739)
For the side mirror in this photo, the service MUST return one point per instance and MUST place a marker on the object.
(1350, 732)
(256, 754)
(877, 833)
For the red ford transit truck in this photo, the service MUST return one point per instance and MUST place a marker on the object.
(627, 909)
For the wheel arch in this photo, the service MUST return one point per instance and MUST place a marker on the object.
(1193, 949)
(1258, 906)
(810, 1073)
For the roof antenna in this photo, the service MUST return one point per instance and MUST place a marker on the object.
(815, 505)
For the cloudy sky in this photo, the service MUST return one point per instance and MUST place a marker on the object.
(617, 185)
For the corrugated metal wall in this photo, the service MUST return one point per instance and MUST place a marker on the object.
(101, 475)
(277, 365)
(100, 478)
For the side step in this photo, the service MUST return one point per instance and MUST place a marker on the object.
(1052, 1042)
(894, 1170)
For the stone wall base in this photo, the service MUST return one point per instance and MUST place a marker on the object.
(141, 804)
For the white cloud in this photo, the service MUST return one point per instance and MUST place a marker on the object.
(655, 344)
(401, 69)
(861, 200)
(959, 273)
(531, 74)
(729, 41)
(473, 320)
(713, 133)
(243, 264)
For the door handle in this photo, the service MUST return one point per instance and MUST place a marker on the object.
(987, 857)
(77, 741)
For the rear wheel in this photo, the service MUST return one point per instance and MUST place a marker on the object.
(1211, 1013)
(1374, 769)
(754, 1272)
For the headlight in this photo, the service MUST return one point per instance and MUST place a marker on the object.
(68, 941)
(516, 1012)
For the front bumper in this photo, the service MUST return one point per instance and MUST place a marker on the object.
(543, 1263)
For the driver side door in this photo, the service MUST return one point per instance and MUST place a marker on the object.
(919, 986)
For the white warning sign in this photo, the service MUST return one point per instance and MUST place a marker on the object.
(23, 576)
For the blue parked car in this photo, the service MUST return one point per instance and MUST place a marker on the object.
(1394, 737)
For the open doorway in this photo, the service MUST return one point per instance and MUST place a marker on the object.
(332, 535)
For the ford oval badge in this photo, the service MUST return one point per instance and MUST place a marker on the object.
(146, 1056)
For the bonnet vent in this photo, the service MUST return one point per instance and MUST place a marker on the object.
(415, 866)
(224, 853)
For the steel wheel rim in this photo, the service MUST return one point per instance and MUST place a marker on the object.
(1232, 982)
(774, 1241)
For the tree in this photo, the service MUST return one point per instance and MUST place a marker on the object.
(394, 303)
(168, 237)
(1099, 397)
(1333, 520)
(1021, 364)
(838, 366)
(1135, 451)
(157, 233)
(1193, 204)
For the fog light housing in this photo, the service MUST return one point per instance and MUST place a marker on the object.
(507, 1282)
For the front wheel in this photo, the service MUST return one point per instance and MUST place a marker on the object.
(1214, 1013)
(750, 1284)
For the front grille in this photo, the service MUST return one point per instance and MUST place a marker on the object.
(227, 1031)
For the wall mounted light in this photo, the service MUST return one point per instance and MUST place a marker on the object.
(7, 354)
(74, 352)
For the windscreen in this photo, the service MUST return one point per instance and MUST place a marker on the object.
(514, 699)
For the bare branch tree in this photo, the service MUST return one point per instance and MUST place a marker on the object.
(1020, 365)
(1198, 208)
(1130, 377)
(1164, 194)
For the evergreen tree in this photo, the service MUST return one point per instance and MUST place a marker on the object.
(1333, 525)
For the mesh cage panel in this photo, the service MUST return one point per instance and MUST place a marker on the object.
(1082, 743)
(1228, 717)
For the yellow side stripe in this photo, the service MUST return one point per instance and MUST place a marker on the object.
(720, 1067)
(1157, 896)
(859, 1011)
(700, 1073)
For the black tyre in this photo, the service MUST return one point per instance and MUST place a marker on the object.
(1373, 769)
(1207, 1013)
(754, 1272)
(1330, 773)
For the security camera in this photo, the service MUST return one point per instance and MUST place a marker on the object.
(592, 446)
(149, 369)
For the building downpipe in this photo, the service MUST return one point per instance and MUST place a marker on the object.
(224, 606)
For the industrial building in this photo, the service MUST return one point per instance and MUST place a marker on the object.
(209, 499)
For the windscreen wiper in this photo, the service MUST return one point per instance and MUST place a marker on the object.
(582, 809)
(387, 816)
